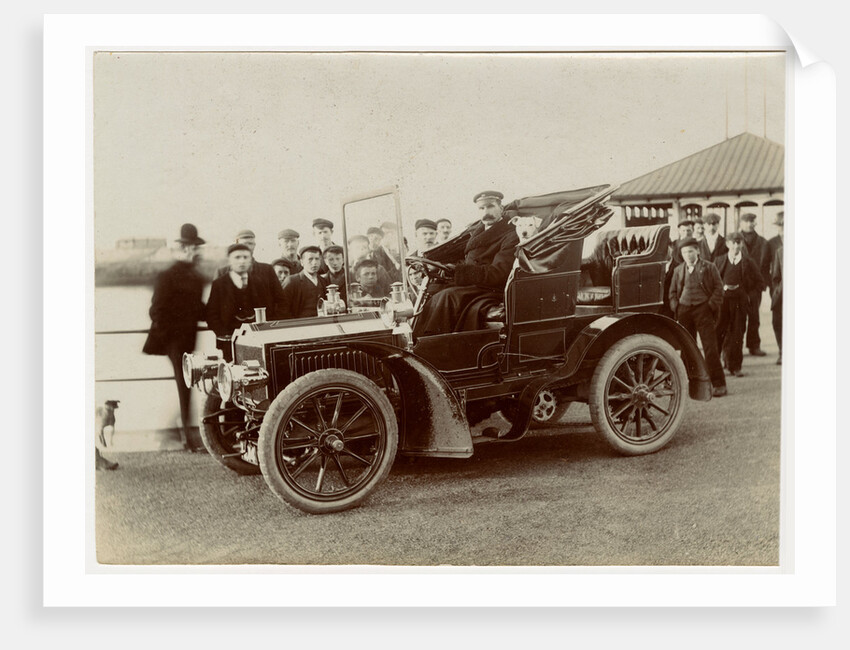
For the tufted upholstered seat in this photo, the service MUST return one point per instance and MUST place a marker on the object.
(617, 248)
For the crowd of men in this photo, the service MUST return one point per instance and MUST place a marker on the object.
(714, 285)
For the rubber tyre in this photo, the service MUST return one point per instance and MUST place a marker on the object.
(548, 411)
(218, 443)
(622, 384)
(287, 449)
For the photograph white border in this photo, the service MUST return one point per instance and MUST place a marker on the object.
(806, 578)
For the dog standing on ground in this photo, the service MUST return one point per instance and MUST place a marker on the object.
(105, 416)
(105, 420)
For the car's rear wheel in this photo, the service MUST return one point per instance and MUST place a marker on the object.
(637, 394)
(327, 441)
(220, 426)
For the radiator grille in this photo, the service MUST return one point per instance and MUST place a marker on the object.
(354, 360)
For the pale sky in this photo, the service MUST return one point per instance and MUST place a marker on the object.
(273, 140)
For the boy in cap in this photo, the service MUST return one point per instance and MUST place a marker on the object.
(755, 246)
(288, 240)
(235, 295)
(696, 294)
(478, 278)
(176, 307)
(712, 245)
(301, 292)
(426, 236)
(444, 230)
(334, 260)
(283, 269)
(378, 253)
(740, 277)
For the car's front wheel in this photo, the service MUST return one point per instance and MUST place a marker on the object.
(637, 394)
(328, 440)
(220, 426)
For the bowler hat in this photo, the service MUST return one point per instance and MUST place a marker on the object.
(309, 249)
(322, 223)
(425, 223)
(711, 217)
(246, 234)
(237, 247)
(288, 233)
(749, 216)
(489, 194)
(780, 219)
(189, 235)
(688, 241)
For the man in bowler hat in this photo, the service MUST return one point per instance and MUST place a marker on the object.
(176, 307)
(696, 294)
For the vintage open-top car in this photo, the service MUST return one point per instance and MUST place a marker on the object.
(322, 406)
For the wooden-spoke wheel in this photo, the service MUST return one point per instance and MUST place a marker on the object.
(328, 440)
(220, 426)
(637, 394)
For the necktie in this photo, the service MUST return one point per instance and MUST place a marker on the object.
(244, 280)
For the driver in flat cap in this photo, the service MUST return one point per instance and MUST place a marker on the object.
(479, 277)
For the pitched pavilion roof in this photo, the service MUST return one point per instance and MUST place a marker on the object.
(745, 164)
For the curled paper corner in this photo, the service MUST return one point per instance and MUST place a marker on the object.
(796, 46)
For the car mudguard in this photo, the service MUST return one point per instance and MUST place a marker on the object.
(434, 421)
(601, 334)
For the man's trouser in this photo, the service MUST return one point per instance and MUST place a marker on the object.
(698, 320)
(730, 328)
(752, 307)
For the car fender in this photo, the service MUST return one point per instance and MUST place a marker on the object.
(433, 419)
(599, 335)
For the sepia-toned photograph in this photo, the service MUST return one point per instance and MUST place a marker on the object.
(458, 308)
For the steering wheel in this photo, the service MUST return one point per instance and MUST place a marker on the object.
(446, 269)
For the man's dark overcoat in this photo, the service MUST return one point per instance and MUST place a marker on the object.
(226, 308)
(719, 249)
(479, 280)
(176, 307)
(301, 297)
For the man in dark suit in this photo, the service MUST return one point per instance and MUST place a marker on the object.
(176, 308)
(302, 291)
(696, 294)
(234, 296)
(488, 258)
(774, 248)
(713, 244)
(740, 277)
(755, 246)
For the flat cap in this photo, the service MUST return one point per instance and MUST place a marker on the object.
(749, 216)
(288, 233)
(425, 223)
(237, 247)
(489, 194)
(686, 222)
(284, 262)
(780, 219)
(334, 249)
(734, 236)
(388, 225)
(323, 223)
(375, 231)
(443, 219)
(309, 249)
(246, 234)
(711, 217)
(688, 241)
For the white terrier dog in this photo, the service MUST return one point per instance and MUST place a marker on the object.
(526, 227)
